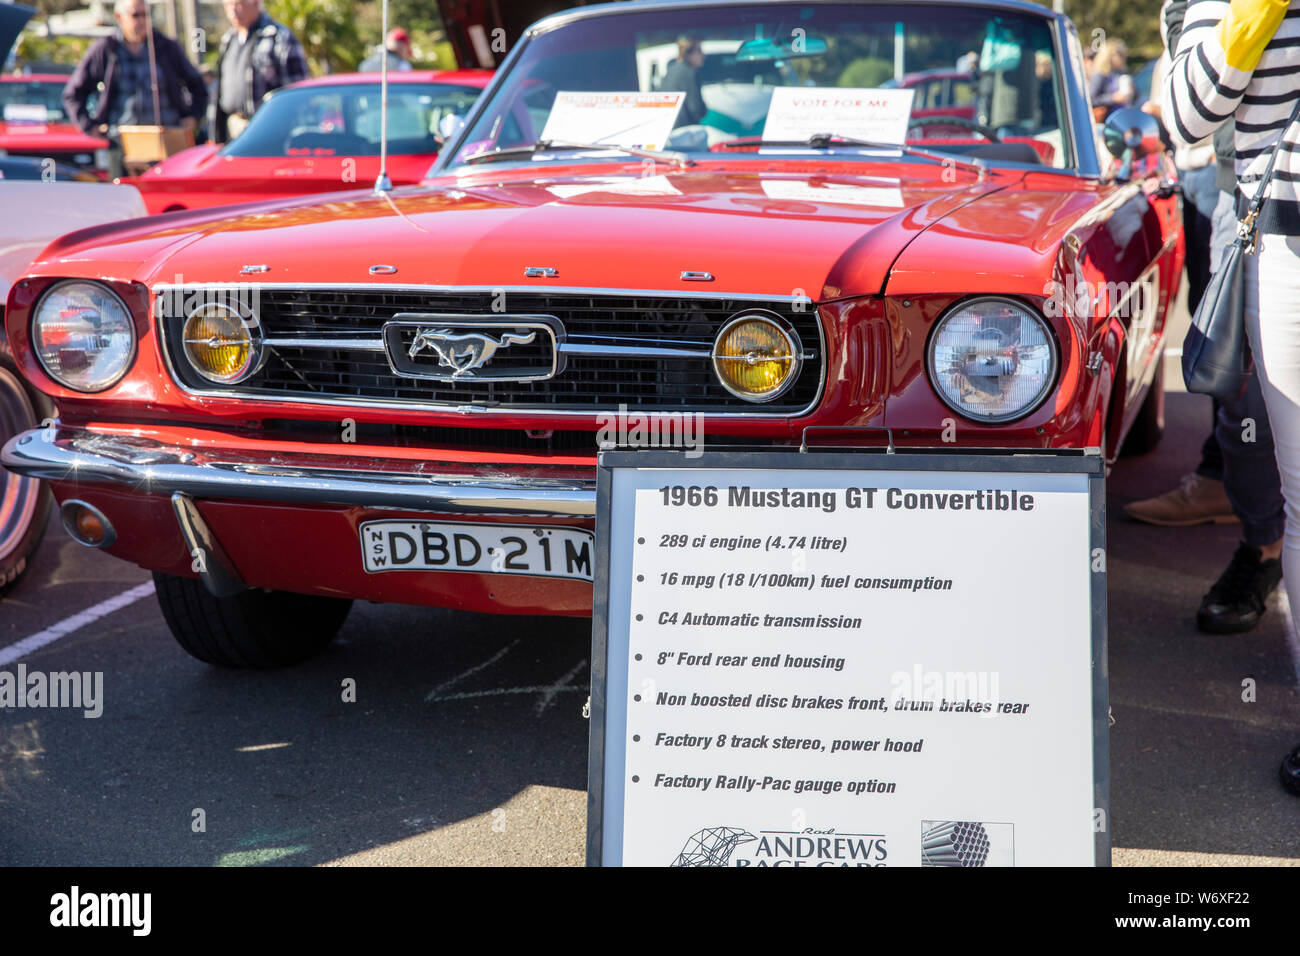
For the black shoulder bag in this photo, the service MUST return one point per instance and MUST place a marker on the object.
(1216, 354)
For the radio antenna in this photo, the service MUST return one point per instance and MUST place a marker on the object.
(383, 184)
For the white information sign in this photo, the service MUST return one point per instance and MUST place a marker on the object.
(798, 113)
(638, 120)
(806, 666)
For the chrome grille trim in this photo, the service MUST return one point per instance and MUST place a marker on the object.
(622, 347)
(375, 344)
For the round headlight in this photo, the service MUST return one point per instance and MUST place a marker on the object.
(756, 356)
(83, 335)
(992, 360)
(219, 344)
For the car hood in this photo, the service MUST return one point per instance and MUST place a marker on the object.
(767, 231)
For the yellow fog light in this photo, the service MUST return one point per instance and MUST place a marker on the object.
(756, 356)
(219, 344)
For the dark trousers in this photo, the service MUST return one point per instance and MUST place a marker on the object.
(1239, 449)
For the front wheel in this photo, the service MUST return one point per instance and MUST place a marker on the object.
(251, 630)
(1149, 425)
(24, 502)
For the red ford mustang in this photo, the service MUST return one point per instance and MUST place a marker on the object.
(33, 123)
(397, 397)
(320, 135)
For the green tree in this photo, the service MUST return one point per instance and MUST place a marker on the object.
(327, 30)
(43, 51)
(867, 71)
(414, 15)
(1136, 22)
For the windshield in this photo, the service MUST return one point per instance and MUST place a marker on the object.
(343, 120)
(952, 79)
(31, 101)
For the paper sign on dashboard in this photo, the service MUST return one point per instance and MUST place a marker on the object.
(638, 120)
(25, 113)
(798, 113)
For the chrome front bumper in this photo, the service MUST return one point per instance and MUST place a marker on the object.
(151, 467)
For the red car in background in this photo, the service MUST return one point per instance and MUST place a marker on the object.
(320, 135)
(33, 123)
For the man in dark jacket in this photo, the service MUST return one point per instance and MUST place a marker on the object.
(682, 76)
(257, 56)
(117, 68)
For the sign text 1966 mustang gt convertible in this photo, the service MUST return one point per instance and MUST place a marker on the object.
(725, 211)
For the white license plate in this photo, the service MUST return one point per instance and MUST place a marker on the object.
(488, 549)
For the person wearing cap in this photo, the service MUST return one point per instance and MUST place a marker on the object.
(397, 47)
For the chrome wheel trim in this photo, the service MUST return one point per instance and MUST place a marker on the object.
(18, 495)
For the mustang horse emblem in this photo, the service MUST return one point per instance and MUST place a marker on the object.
(465, 351)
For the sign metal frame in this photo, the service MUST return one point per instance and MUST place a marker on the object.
(1087, 462)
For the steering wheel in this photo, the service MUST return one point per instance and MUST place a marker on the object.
(989, 134)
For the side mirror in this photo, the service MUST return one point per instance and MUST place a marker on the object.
(1130, 135)
(1131, 129)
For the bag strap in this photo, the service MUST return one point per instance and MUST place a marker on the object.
(1246, 228)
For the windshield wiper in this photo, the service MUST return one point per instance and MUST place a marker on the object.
(830, 141)
(555, 146)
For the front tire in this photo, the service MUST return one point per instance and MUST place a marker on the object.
(1149, 425)
(25, 503)
(254, 629)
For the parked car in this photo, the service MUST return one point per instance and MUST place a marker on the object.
(33, 123)
(319, 135)
(397, 397)
(40, 201)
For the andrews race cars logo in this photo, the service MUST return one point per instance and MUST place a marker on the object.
(458, 348)
(464, 351)
(735, 846)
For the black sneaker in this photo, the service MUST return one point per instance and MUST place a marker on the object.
(1236, 602)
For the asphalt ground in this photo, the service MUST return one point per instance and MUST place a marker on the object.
(466, 744)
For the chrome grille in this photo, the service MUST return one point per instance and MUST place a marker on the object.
(595, 375)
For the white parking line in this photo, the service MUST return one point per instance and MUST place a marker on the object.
(51, 634)
(497, 691)
(433, 694)
(548, 697)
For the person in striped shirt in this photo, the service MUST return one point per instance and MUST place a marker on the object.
(1242, 60)
(1237, 475)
